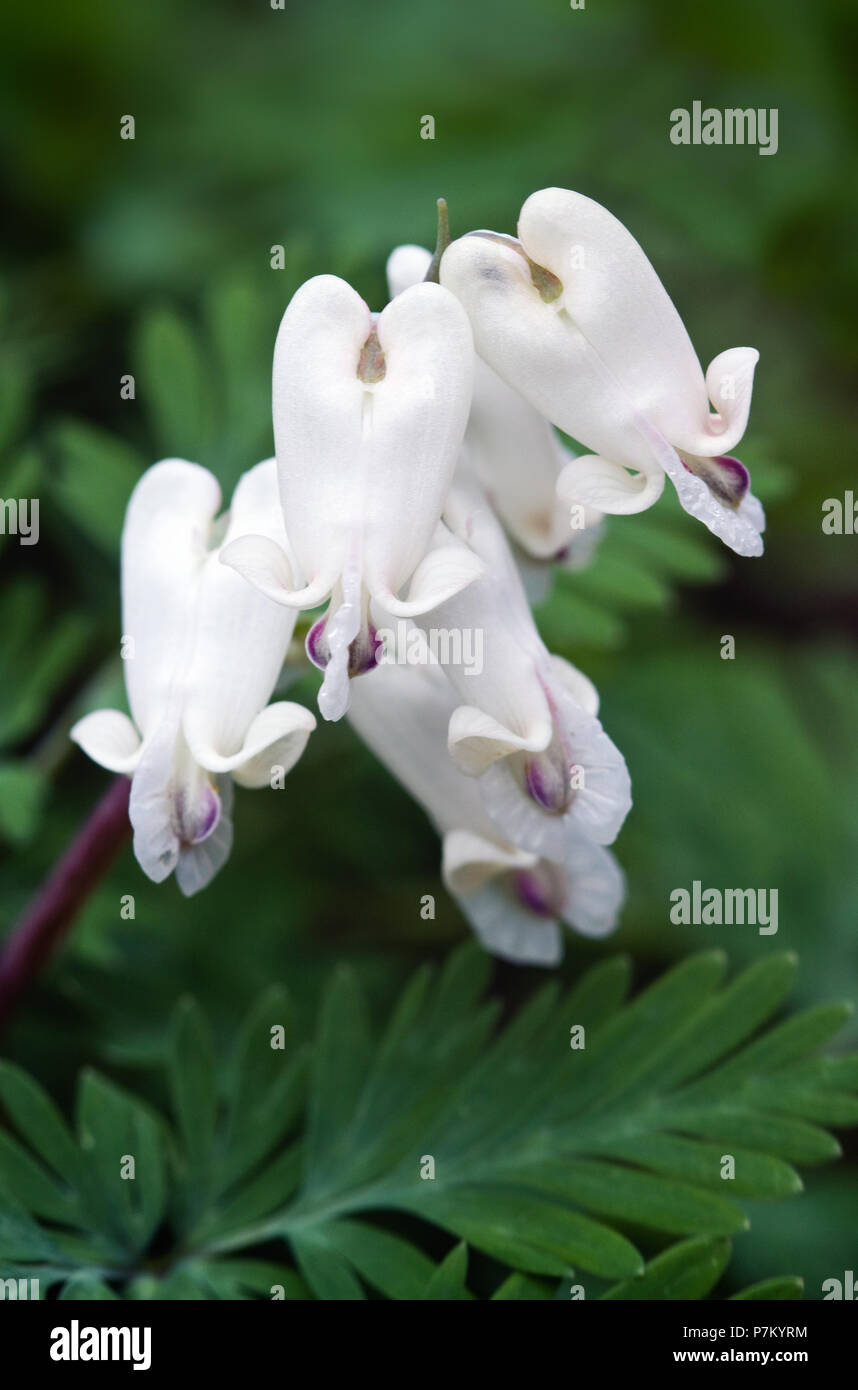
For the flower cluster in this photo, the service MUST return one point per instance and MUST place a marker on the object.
(420, 486)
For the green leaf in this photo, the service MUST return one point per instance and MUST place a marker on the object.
(385, 1261)
(267, 1088)
(116, 1130)
(787, 1287)
(327, 1273)
(22, 793)
(191, 1079)
(192, 1084)
(543, 1157)
(523, 1289)
(689, 1270)
(39, 1121)
(525, 1228)
(34, 1187)
(37, 655)
(239, 1279)
(447, 1283)
(95, 477)
(86, 1287)
(173, 385)
(341, 1059)
(15, 396)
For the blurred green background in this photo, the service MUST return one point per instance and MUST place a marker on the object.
(257, 127)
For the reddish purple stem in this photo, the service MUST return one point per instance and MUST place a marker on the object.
(50, 915)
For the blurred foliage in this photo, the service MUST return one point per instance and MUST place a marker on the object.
(256, 128)
(556, 1162)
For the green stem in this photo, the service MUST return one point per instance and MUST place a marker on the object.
(442, 241)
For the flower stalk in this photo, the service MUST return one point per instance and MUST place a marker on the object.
(48, 918)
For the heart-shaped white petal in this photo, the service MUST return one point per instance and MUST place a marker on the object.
(164, 545)
(240, 638)
(512, 450)
(614, 296)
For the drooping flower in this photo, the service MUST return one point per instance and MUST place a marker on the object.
(528, 727)
(369, 414)
(513, 899)
(513, 453)
(572, 314)
(203, 651)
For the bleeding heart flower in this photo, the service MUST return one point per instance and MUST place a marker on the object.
(572, 314)
(203, 652)
(528, 728)
(369, 414)
(513, 899)
(513, 452)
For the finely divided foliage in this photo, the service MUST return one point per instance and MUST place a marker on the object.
(303, 1172)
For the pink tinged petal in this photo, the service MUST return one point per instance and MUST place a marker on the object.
(197, 810)
(541, 889)
(174, 803)
(164, 547)
(510, 929)
(715, 491)
(109, 738)
(197, 864)
(547, 780)
(601, 802)
(364, 651)
(518, 818)
(543, 811)
(725, 476)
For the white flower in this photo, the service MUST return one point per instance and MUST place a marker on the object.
(573, 316)
(513, 899)
(203, 652)
(513, 452)
(369, 415)
(528, 728)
